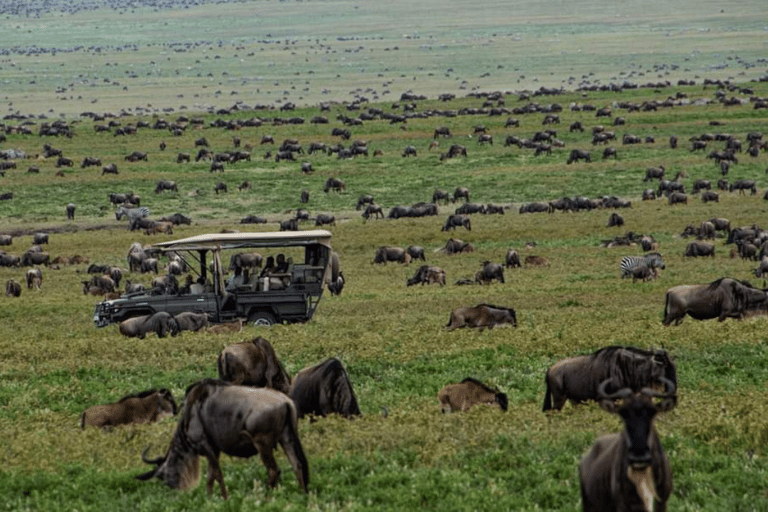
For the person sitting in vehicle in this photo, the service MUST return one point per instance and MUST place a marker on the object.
(282, 264)
(269, 267)
(240, 278)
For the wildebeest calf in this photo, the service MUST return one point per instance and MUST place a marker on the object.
(145, 407)
(482, 316)
(467, 393)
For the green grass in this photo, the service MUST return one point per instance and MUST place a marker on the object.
(54, 363)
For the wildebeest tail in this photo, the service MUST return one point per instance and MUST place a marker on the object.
(293, 449)
(222, 367)
(82, 421)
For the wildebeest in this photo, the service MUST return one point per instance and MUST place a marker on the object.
(578, 154)
(6, 239)
(615, 220)
(482, 316)
(334, 184)
(455, 246)
(442, 131)
(322, 219)
(237, 420)
(191, 321)
(324, 389)
(512, 259)
(373, 210)
(695, 249)
(145, 407)
(177, 219)
(40, 238)
(427, 274)
(253, 363)
(629, 470)
(470, 208)
(71, 211)
(490, 272)
(534, 208)
(416, 252)
(468, 393)
(389, 253)
(12, 288)
(34, 278)
(536, 261)
(577, 378)
(461, 192)
(164, 185)
(161, 323)
(457, 220)
(721, 299)
(31, 258)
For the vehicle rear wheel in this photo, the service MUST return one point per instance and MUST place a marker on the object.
(262, 318)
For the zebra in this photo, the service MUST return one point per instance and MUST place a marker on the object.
(652, 260)
(133, 214)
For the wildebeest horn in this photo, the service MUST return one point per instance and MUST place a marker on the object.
(621, 393)
(669, 390)
(157, 461)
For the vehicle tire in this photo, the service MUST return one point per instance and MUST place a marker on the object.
(262, 319)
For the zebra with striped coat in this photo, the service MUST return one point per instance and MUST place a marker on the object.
(133, 214)
(652, 260)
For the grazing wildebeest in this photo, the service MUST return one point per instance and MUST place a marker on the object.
(482, 316)
(109, 169)
(289, 225)
(6, 239)
(373, 210)
(577, 378)
(461, 192)
(409, 151)
(40, 238)
(490, 272)
(710, 196)
(677, 198)
(468, 393)
(719, 299)
(12, 288)
(416, 252)
(578, 154)
(164, 185)
(654, 173)
(440, 195)
(31, 258)
(534, 208)
(161, 323)
(470, 208)
(427, 274)
(71, 211)
(455, 246)
(334, 184)
(324, 389)
(145, 407)
(304, 197)
(34, 278)
(177, 219)
(322, 219)
(191, 321)
(629, 470)
(695, 249)
(253, 363)
(454, 221)
(389, 253)
(442, 131)
(238, 420)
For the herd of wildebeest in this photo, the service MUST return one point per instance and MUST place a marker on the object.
(255, 405)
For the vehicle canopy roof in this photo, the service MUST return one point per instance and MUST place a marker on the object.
(221, 241)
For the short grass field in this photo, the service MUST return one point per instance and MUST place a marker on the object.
(391, 338)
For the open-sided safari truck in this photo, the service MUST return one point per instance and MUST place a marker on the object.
(226, 283)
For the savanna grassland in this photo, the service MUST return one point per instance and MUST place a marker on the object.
(391, 338)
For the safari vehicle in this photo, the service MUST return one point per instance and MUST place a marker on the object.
(262, 296)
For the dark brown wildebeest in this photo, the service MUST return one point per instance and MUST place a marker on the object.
(678, 198)
(177, 219)
(615, 220)
(439, 195)
(427, 274)
(161, 323)
(481, 316)
(238, 420)
(629, 470)
(191, 321)
(490, 272)
(164, 185)
(512, 259)
(695, 249)
(136, 156)
(644, 273)
(145, 407)
(389, 253)
(334, 184)
(253, 219)
(373, 210)
(109, 169)
(183, 157)
(220, 187)
(719, 299)
(654, 173)
(363, 200)
(578, 154)
(324, 389)
(243, 260)
(742, 185)
(6, 239)
(12, 288)
(31, 258)
(461, 192)
(442, 131)
(409, 151)
(89, 161)
(34, 278)
(577, 378)
(416, 252)
(455, 246)
(253, 363)
(457, 220)
(470, 208)
(468, 393)
(710, 196)
(71, 211)
(289, 225)
(40, 238)
(534, 208)
(322, 219)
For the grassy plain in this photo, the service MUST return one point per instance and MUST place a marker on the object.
(54, 363)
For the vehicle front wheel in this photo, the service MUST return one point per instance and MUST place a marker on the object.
(262, 318)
